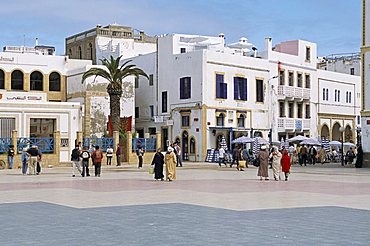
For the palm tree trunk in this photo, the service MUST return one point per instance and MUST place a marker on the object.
(115, 111)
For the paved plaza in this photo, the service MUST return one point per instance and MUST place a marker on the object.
(206, 205)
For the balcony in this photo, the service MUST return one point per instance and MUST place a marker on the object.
(291, 92)
(293, 125)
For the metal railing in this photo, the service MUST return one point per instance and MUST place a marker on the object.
(45, 145)
(103, 143)
(4, 144)
(149, 144)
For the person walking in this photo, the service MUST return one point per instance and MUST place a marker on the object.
(11, 154)
(32, 153)
(292, 153)
(236, 158)
(263, 157)
(75, 158)
(276, 163)
(39, 161)
(140, 154)
(221, 156)
(98, 157)
(245, 156)
(118, 155)
(85, 155)
(359, 157)
(24, 159)
(322, 154)
(178, 155)
(285, 164)
(91, 152)
(170, 161)
(303, 155)
(350, 155)
(313, 154)
(109, 155)
(158, 161)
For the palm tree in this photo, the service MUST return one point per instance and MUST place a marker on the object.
(115, 74)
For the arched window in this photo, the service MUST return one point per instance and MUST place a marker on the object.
(220, 120)
(91, 51)
(241, 120)
(192, 145)
(54, 81)
(79, 52)
(2, 79)
(36, 81)
(17, 80)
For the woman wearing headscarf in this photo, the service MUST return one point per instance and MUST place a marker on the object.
(285, 164)
(276, 163)
(322, 154)
(158, 162)
(170, 161)
(263, 163)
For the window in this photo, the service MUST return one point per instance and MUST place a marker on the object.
(137, 112)
(164, 101)
(323, 94)
(335, 95)
(308, 53)
(241, 121)
(192, 145)
(358, 120)
(7, 125)
(281, 109)
(2, 79)
(282, 77)
(221, 87)
(259, 90)
(42, 128)
(220, 120)
(185, 120)
(299, 80)
(299, 110)
(151, 79)
(308, 81)
(54, 81)
(291, 78)
(338, 95)
(151, 109)
(308, 112)
(91, 51)
(350, 97)
(185, 88)
(17, 80)
(240, 89)
(291, 110)
(346, 96)
(327, 94)
(136, 81)
(80, 52)
(352, 71)
(182, 50)
(36, 81)
(152, 130)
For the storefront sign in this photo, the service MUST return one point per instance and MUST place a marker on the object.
(21, 97)
(6, 59)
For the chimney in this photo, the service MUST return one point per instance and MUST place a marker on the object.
(36, 41)
(268, 44)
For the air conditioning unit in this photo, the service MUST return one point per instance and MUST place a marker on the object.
(158, 119)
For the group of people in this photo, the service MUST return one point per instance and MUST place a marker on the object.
(80, 159)
(172, 159)
(31, 160)
(280, 162)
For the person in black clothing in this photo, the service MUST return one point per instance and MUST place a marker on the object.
(312, 155)
(158, 162)
(85, 155)
(236, 157)
(359, 157)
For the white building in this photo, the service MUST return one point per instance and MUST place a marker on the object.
(33, 96)
(204, 89)
(349, 63)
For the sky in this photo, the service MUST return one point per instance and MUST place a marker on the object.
(335, 25)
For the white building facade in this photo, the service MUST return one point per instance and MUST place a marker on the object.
(204, 90)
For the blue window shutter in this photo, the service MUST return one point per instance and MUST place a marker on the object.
(181, 88)
(224, 91)
(218, 86)
(189, 87)
(236, 88)
(245, 90)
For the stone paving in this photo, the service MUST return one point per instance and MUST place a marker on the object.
(206, 205)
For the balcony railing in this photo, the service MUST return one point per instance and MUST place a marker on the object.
(299, 93)
(291, 124)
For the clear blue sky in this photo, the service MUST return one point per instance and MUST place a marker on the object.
(335, 25)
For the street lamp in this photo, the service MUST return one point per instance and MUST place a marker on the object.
(341, 129)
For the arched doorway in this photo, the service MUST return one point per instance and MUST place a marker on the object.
(185, 145)
(348, 136)
(336, 133)
(325, 133)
